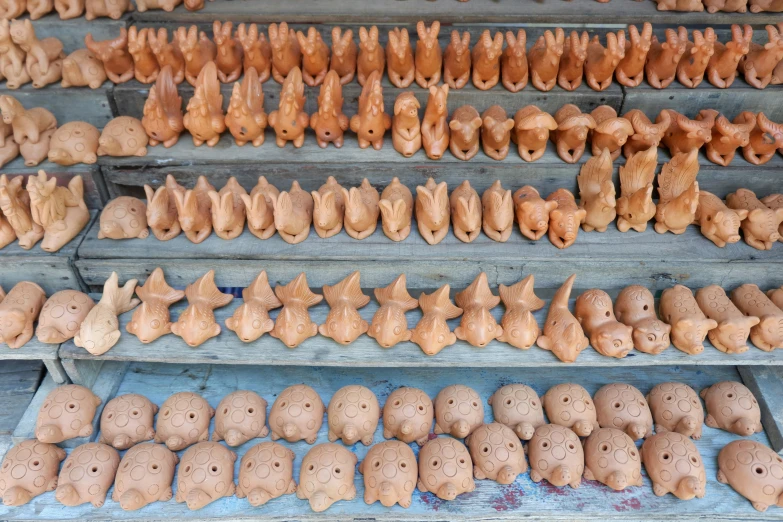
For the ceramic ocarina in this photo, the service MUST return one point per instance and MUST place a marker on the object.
(144, 476)
(228, 209)
(205, 474)
(152, 319)
(564, 219)
(678, 193)
(406, 127)
(18, 311)
(689, 325)
(477, 325)
(229, 57)
(194, 210)
(496, 129)
(246, 118)
(197, 324)
(663, 57)
(597, 192)
(593, 310)
(726, 136)
(768, 334)
(612, 459)
(532, 212)
(518, 407)
(329, 123)
(759, 64)
(623, 407)
(361, 210)
(239, 417)
(755, 478)
(434, 130)
(731, 334)
(569, 77)
(544, 59)
(573, 128)
(353, 415)
(296, 414)
(760, 227)
(390, 474)
(717, 222)
(630, 70)
(570, 405)
(371, 57)
(457, 60)
(251, 320)
(765, 138)
(676, 407)
(286, 53)
(486, 57)
(183, 420)
(563, 335)
(328, 208)
(610, 132)
(293, 324)
(458, 411)
(600, 62)
(162, 215)
(75, 142)
(635, 206)
(293, 213)
(396, 206)
(87, 475)
(290, 121)
(520, 328)
(123, 136)
(556, 455)
(465, 128)
(433, 211)
(204, 117)
(100, 330)
(497, 212)
(371, 122)
(127, 420)
(497, 453)
(513, 62)
(61, 211)
(445, 468)
(531, 132)
(389, 325)
(432, 333)
(466, 212)
(162, 119)
(635, 307)
(775, 201)
(685, 135)
(260, 486)
(39, 462)
(775, 295)
(343, 323)
(732, 407)
(259, 207)
(408, 415)
(646, 134)
(124, 217)
(344, 53)
(67, 413)
(428, 58)
(327, 476)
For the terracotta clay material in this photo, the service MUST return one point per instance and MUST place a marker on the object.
(520, 328)
(722, 68)
(100, 330)
(768, 334)
(197, 50)
(432, 333)
(61, 316)
(774, 201)
(477, 325)
(498, 212)
(689, 325)
(251, 320)
(67, 413)
(87, 475)
(117, 61)
(726, 136)
(353, 415)
(205, 474)
(630, 70)
(406, 128)
(569, 405)
(293, 213)
(204, 118)
(286, 53)
(612, 459)
(361, 210)
(329, 208)
(75, 142)
(343, 323)
(260, 486)
(81, 68)
(408, 415)
(684, 135)
(7, 233)
(758, 65)
(296, 414)
(569, 77)
(329, 123)
(434, 130)
(162, 215)
(32, 129)
(457, 60)
(608, 336)
(389, 324)
(429, 57)
(691, 68)
(228, 209)
(765, 138)
(315, 56)
(733, 408)
(239, 417)
(556, 455)
(496, 132)
(167, 53)
(531, 132)
(497, 453)
(573, 128)
(635, 206)
(327, 476)
(259, 207)
(246, 118)
(518, 407)
(513, 62)
(433, 211)
(29, 469)
(610, 132)
(676, 408)
(445, 468)
(145, 65)
(396, 206)
(371, 122)
(623, 407)
(371, 56)
(166, 5)
(9, 149)
(663, 58)
(12, 9)
(123, 136)
(464, 139)
(257, 52)
(127, 420)
(162, 118)
(44, 60)
(759, 6)
(728, 6)
(60, 211)
(197, 323)
(458, 411)
(344, 52)
(680, 5)
(601, 62)
(544, 59)
(183, 420)
(756, 477)
(101, 8)
(399, 58)
(678, 193)
(733, 329)
(68, 9)
(123, 218)
(293, 324)
(635, 307)
(390, 474)
(144, 476)
(15, 204)
(229, 55)
(563, 335)
(466, 212)
(564, 219)
(151, 320)
(18, 311)
(760, 227)
(486, 57)
(646, 134)
(597, 192)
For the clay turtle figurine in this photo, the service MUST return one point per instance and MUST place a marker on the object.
(676, 407)
(296, 414)
(75, 142)
(293, 324)
(266, 472)
(124, 217)
(343, 323)
(497, 453)
(123, 136)
(612, 459)
(732, 407)
(29, 469)
(205, 474)
(571, 406)
(145, 476)
(61, 316)
(556, 455)
(674, 465)
(67, 413)
(239, 417)
(408, 415)
(183, 420)
(623, 407)
(87, 475)
(390, 474)
(518, 407)
(127, 420)
(353, 415)
(753, 470)
(458, 411)
(327, 476)
(445, 468)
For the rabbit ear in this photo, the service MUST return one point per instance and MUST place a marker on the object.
(441, 191)
(214, 197)
(420, 30)
(386, 208)
(393, 39)
(316, 198)
(424, 194)
(300, 37)
(435, 29)
(328, 200)
(363, 34)
(374, 33)
(150, 194)
(336, 33)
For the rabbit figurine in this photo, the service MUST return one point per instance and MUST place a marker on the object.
(344, 51)
(194, 210)
(361, 210)
(228, 209)
(328, 208)
(396, 206)
(259, 208)
(433, 211)
(466, 212)
(293, 212)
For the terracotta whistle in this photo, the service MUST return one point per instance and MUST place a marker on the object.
(127, 420)
(344, 324)
(684, 135)
(518, 407)
(457, 60)
(607, 335)
(251, 320)
(772, 201)
(197, 49)
(7, 234)
(768, 334)
(389, 324)
(520, 328)
(496, 132)
(328, 208)
(408, 415)
(87, 475)
(183, 420)
(630, 70)
(297, 414)
(434, 130)
(689, 324)
(204, 117)
(246, 118)
(40, 461)
(344, 52)
(406, 128)
(564, 219)
(100, 8)
(722, 68)
(194, 210)
(663, 58)
(100, 329)
(556, 455)
(61, 211)
(123, 136)
(760, 62)
(573, 128)
(477, 325)
(432, 333)
(531, 132)
(32, 129)
(117, 61)
(68, 9)
(15, 204)
(513, 61)
(726, 136)
(145, 65)
(280, 480)
(353, 415)
(361, 210)
(75, 142)
(437, 460)
(464, 137)
(228, 209)
(612, 459)
(293, 212)
(433, 211)
(67, 413)
(396, 207)
(213, 461)
(286, 53)
(635, 307)
(569, 76)
(315, 56)
(486, 57)
(149, 466)
(239, 417)
(44, 60)
(293, 324)
(563, 335)
(329, 123)
(399, 58)
(152, 320)
(371, 122)
(597, 192)
(166, 5)
(229, 53)
(259, 207)
(611, 132)
(257, 51)
(758, 6)
(635, 206)
(327, 475)
(733, 328)
(676, 407)
(466, 211)
(762, 489)
(760, 227)
(678, 193)
(498, 212)
(162, 215)
(197, 323)
(81, 68)
(12, 9)
(623, 407)
(61, 316)
(765, 138)
(680, 5)
(390, 474)
(646, 134)
(9, 149)
(162, 118)
(601, 62)
(691, 68)
(718, 223)
(429, 58)
(544, 59)
(569, 405)
(18, 311)
(371, 56)
(497, 453)
(167, 53)
(124, 217)
(733, 408)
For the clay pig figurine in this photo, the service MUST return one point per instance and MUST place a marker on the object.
(622, 406)
(353, 415)
(532, 212)
(717, 222)
(260, 487)
(327, 476)
(520, 328)
(496, 132)
(390, 474)
(497, 453)
(408, 415)
(734, 327)
(518, 407)
(432, 332)
(183, 420)
(445, 468)
(676, 407)
(40, 462)
(127, 420)
(18, 311)
(144, 476)
(612, 459)
(732, 407)
(205, 474)
(67, 413)
(458, 411)
(87, 475)
(760, 227)
(296, 414)
(477, 325)
(635, 307)
(124, 217)
(344, 324)
(607, 335)
(406, 127)
(755, 478)
(768, 334)
(251, 320)
(240, 416)
(563, 335)
(293, 324)
(570, 405)
(152, 319)
(389, 325)
(689, 324)
(197, 324)
(464, 137)
(531, 132)
(556, 455)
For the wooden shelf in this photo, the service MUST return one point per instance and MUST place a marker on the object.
(18, 382)
(72, 32)
(68, 104)
(35, 350)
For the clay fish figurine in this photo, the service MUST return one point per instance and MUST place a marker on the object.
(563, 335)
(344, 324)
(100, 330)
(251, 320)
(432, 333)
(389, 325)
(152, 319)
(293, 324)
(477, 326)
(520, 328)
(197, 323)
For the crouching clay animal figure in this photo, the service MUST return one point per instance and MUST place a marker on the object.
(556, 455)
(646, 134)
(612, 459)
(610, 132)
(32, 129)
(569, 77)
(434, 130)
(61, 316)
(361, 210)
(259, 207)
(390, 472)
(762, 491)
(344, 422)
(197, 323)
(240, 416)
(466, 211)
(406, 128)
(204, 117)
(127, 420)
(497, 453)
(678, 191)
(690, 70)
(532, 212)
(371, 122)
(343, 323)
(630, 70)
(67, 413)
(518, 407)
(44, 60)
(246, 119)
(520, 328)
(327, 476)
(297, 414)
(457, 60)
(61, 211)
(100, 330)
(293, 212)
(486, 58)
(689, 324)
(81, 68)
(477, 325)
(722, 68)
(765, 138)
(544, 59)
(162, 118)
(726, 136)
(176, 433)
(531, 132)
(680, 5)
(733, 408)
(40, 462)
(601, 62)
(328, 208)
(123, 218)
(257, 52)
(607, 335)
(635, 307)
(433, 211)
(498, 212)
(464, 139)
(733, 329)
(570, 406)
(496, 132)
(768, 334)
(596, 192)
(718, 223)
(389, 324)
(329, 123)
(145, 65)
(453, 456)
(684, 135)
(760, 62)
(635, 206)
(663, 58)
(18, 311)
(773, 201)
(564, 219)
(228, 209)
(315, 57)
(166, 5)
(251, 320)
(293, 324)
(95, 465)
(213, 461)
(563, 335)
(371, 57)
(432, 333)
(344, 51)
(396, 206)
(194, 210)
(676, 408)
(428, 58)
(123, 136)
(286, 54)
(277, 483)
(162, 209)
(167, 53)
(623, 407)
(197, 49)
(152, 319)
(117, 61)
(760, 227)
(573, 128)
(15, 205)
(12, 59)
(149, 466)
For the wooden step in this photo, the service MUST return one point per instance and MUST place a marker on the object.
(33, 351)
(72, 32)
(68, 104)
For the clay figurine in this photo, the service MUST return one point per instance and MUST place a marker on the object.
(12, 59)
(457, 60)
(151, 320)
(127, 420)
(433, 211)
(573, 128)
(765, 138)
(678, 193)
(635, 307)
(44, 60)
(162, 209)
(361, 210)
(434, 130)
(61, 211)
(768, 334)
(520, 328)
(67, 413)
(9, 149)
(464, 137)
(556, 455)
(611, 132)
(760, 227)
(18, 311)
(513, 62)
(601, 62)
(162, 118)
(389, 325)
(630, 70)
(371, 122)
(758, 6)
(87, 475)
(722, 68)
(445, 468)
(477, 325)
(390, 474)
(257, 52)
(12, 9)
(343, 323)
(396, 206)
(166, 5)
(260, 486)
(61, 316)
(759, 64)
(518, 407)
(569, 77)
(726, 136)
(196, 48)
(194, 210)
(684, 135)
(607, 335)
(432, 333)
(496, 132)
(296, 414)
(635, 206)
(772, 201)
(75, 142)
(229, 55)
(239, 417)
(564, 219)
(466, 212)
(228, 209)
(246, 118)
(293, 211)
(327, 475)
(399, 58)
(752, 470)
(680, 5)
(286, 53)
(733, 329)
(32, 129)
(197, 323)
(646, 134)
(167, 53)
(7, 233)
(733, 408)
(718, 223)
(100, 8)
(344, 51)
(124, 217)
(570, 405)
(498, 212)
(408, 415)
(329, 123)
(145, 65)
(729, 6)
(612, 459)
(145, 475)
(531, 132)
(371, 56)
(429, 58)
(123, 136)
(353, 415)
(204, 117)
(259, 207)
(37, 463)
(623, 407)
(81, 68)
(293, 324)
(328, 208)
(68, 9)
(117, 61)
(597, 192)
(563, 335)
(315, 56)
(676, 407)
(406, 128)
(251, 319)
(663, 58)
(100, 330)
(183, 420)
(458, 411)
(544, 59)
(689, 325)
(690, 70)
(497, 453)
(15, 204)
(205, 474)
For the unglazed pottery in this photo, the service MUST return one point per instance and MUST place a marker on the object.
(445, 468)
(167, 53)
(124, 217)
(81, 68)
(251, 319)
(556, 455)
(573, 128)
(329, 123)
(371, 57)
(408, 415)
(344, 52)
(752, 470)
(293, 213)
(15, 204)
(389, 324)
(204, 118)
(458, 411)
(569, 77)
(486, 57)
(497, 453)
(162, 118)
(228, 209)
(768, 334)
(773, 201)
(428, 58)
(689, 325)
(761, 60)
(684, 135)
(246, 118)
(327, 476)
(183, 420)
(296, 414)
(328, 208)
(477, 325)
(434, 130)
(432, 333)
(623, 407)
(145, 475)
(396, 206)
(678, 193)
(44, 60)
(406, 128)
(498, 212)
(390, 474)
(520, 328)
(718, 223)
(729, 6)
(630, 70)
(457, 60)
(197, 324)
(691, 68)
(266, 472)
(532, 212)
(760, 227)
(371, 122)
(293, 324)
(87, 475)
(676, 407)
(563, 335)
(67, 413)
(600, 61)
(496, 130)
(100, 8)
(32, 129)
(646, 134)
(127, 420)
(68, 9)
(662, 60)
(197, 49)
(117, 61)
(257, 51)
(361, 210)
(569, 405)
(726, 136)
(315, 56)
(205, 474)
(100, 330)
(152, 319)
(60, 211)
(60, 317)
(544, 59)
(733, 408)
(37, 463)
(513, 62)
(18, 311)
(610, 132)
(145, 65)
(166, 5)
(635, 307)
(775, 295)
(12, 9)
(343, 323)
(765, 138)
(433, 211)
(286, 53)
(239, 417)
(609, 337)
(531, 132)
(722, 68)
(9, 149)
(353, 415)
(75, 142)
(731, 334)
(259, 208)
(464, 137)
(635, 206)
(123, 136)
(597, 192)
(399, 58)
(518, 407)
(758, 6)
(466, 212)
(612, 459)
(564, 219)
(229, 52)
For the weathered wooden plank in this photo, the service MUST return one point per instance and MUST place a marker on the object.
(24, 380)
(56, 370)
(72, 32)
(19, 366)
(83, 372)
(95, 193)
(68, 104)
(13, 410)
(766, 383)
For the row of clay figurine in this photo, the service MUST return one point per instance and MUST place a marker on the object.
(612, 421)
(91, 9)
(726, 6)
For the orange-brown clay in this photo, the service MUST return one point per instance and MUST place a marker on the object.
(246, 118)
(601, 62)
(280, 481)
(569, 77)
(689, 325)
(458, 411)
(663, 58)
(563, 335)
(40, 462)
(251, 320)
(196, 48)
(635, 307)
(465, 125)
(162, 118)
(607, 335)
(204, 118)
(61, 316)
(466, 212)
(496, 130)
(12, 59)
(127, 420)
(630, 70)
(44, 60)
(123, 218)
(293, 213)
(597, 192)
(762, 489)
(327, 475)
(544, 59)
(718, 223)
(434, 130)
(399, 58)
(429, 57)
(145, 65)
(166, 5)
(408, 415)
(205, 459)
(773, 201)
(682, 475)
(297, 414)
(432, 333)
(573, 128)
(389, 324)
(635, 206)
(612, 459)
(520, 328)
(67, 413)
(239, 417)
(765, 138)
(732, 407)
(611, 132)
(229, 53)
(396, 206)
(486, 58)
(514, 67)
(32, 129)
(693, 64)
(257, 51)
(151, 320)
(344, 52)
(646, 134)
(498, 212)
(733, 328)
(676, 407)
(290, 121)
(768, 334)
(183, 420)
(678, 193)
(162, 215)
(760, 227)
(100, 330)
(167, 53)
(477, 325)
(371, 55)
(518, 407)
(532, 212)
(406, 128)
(80, 68)
(353, 415)
(760, 62)
(433, 211)
(497, 453)
(228, 209)
(18, 311)
(315, 56)
(328, 208)
(259, 208)
(684, 135)
(726, 136)
(87, 475)
(61, 211)
(556, 455)
(123, 136)
(531, 132)
(286, 53)
(390, 473)
(564, 219)
(75, 142)
(722, 68)
(371, 122)
(622, 406)
(145, 476)
(293, 324)
(194, 210)
(361, 210)
(457, 60)
(570, 406)
(197, 323)
(117, 61)
(343, 323)
(329, 123)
